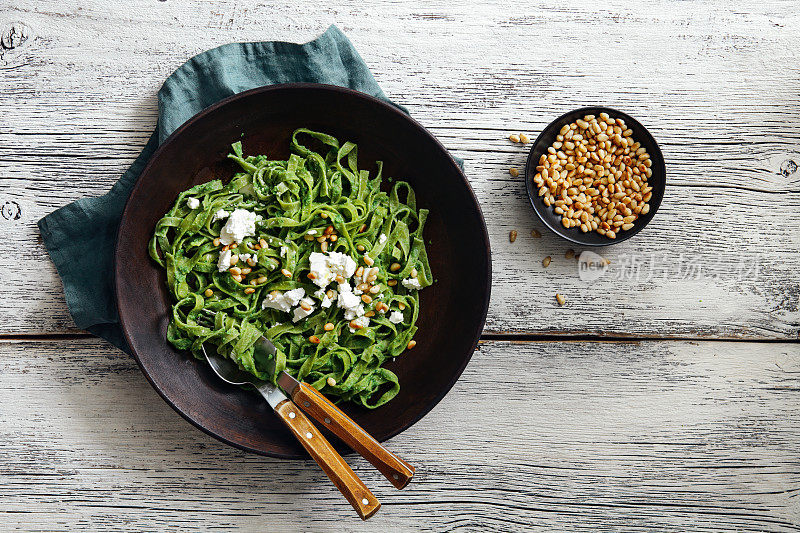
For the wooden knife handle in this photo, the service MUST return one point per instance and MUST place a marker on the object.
(348, 483)
(397, 471)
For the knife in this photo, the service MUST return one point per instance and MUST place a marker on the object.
(396, 470)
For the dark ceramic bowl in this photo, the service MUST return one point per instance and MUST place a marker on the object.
(553, 220)
(452, 310)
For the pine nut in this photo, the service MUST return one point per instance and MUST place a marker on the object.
(360, 248)
(594, 166)
(546, 261)
(209, 293)
(512, 235)
(366, 298)
(216, 241)
(238, 279)
(261, 279)
(286, 273)
(369, 314)
(313, 339)
(235, 271)
(570, 253)
(263, 244)
(368, 260)
(328, 230)
(413, 273)
(253, 282)
(391, 282)
(359, 271)
(514, 138)
(514, 172)
(328, 327)
(395, 267)
(323, 247)
(523, 138)
(375, 289)
(249, 290)
(323, 215)
(333, 238)
(329, 294)
(251, 261)
(560, 299)
(246, 270)
(305, 306)
(411, 344)
(535, 234)
(401, 305)
(331, 382)
(355, 325)
(234, 259)
(339, 278)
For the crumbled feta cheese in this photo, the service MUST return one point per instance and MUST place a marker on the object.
(245, 257)
(283, 301)
(350, 303)
(300, 313)
(412, 283)
(224, 261)
(220, 214)
(193, 203)
(350, 314)
(327, 266)
(326, 302)
(284, 249)
(241, 223)
(362, 321)
(396, 317)
(295, 295)
(357, 291)
(382, 239)
(311, 232)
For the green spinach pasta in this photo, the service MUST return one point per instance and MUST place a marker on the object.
(309, 252)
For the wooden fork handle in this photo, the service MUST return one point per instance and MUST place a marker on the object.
(397, 471)
(348, 483)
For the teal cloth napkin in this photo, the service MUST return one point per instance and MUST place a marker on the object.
(81, 236)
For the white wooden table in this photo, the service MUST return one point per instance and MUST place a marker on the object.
(663, 402)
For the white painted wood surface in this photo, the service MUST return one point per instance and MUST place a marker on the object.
(661, 435)
(573, 436)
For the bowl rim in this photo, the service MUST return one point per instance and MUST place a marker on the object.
(538, 205)
(387, 106)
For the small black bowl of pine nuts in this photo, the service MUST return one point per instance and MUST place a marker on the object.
(595, 176)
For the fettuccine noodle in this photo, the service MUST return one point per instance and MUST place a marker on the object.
(314, 202)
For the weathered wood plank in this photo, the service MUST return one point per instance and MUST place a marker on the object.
(78, 101)
(578, 436)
